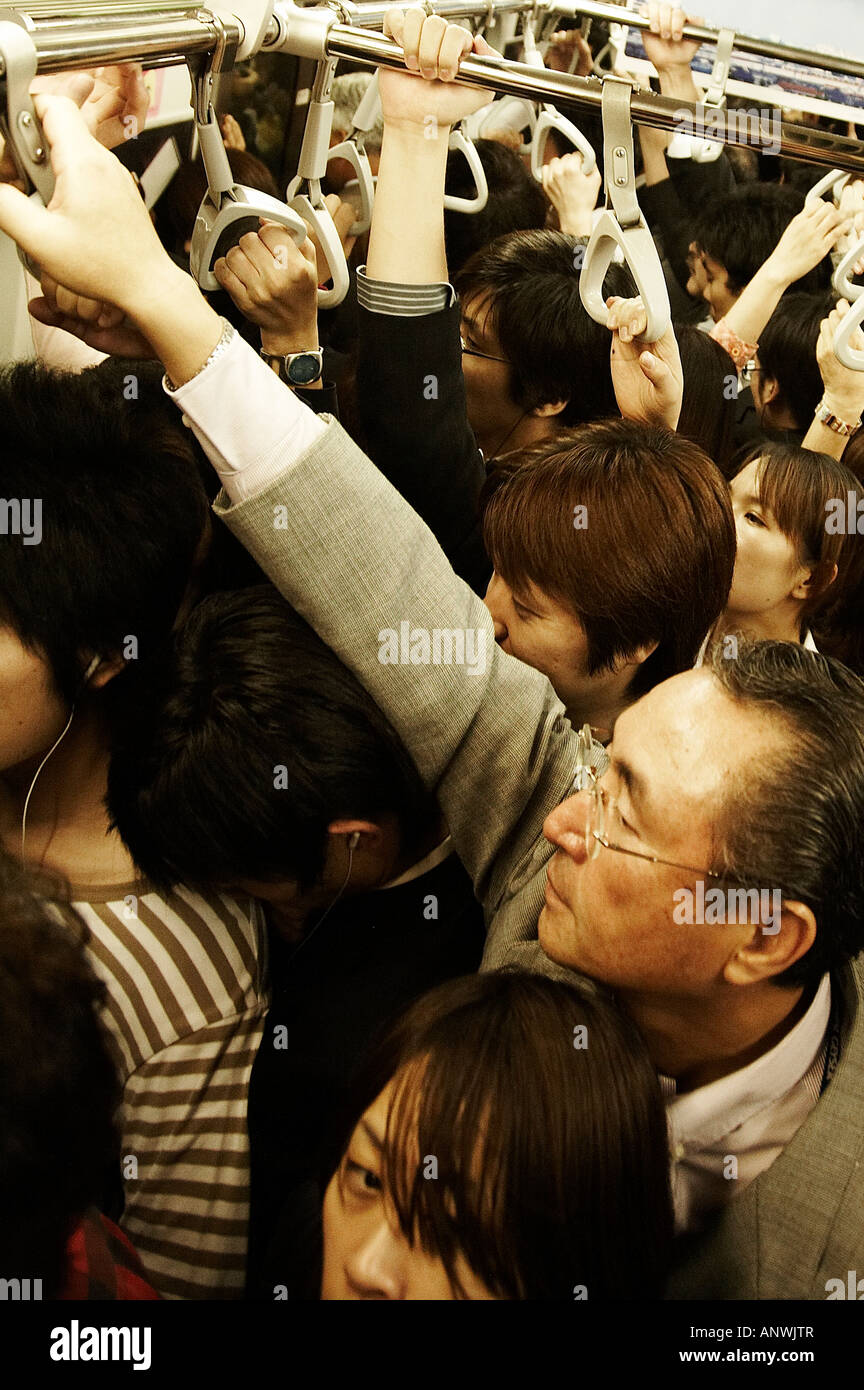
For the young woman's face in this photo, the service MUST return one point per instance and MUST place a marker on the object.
(365, 1253)
(767, 564)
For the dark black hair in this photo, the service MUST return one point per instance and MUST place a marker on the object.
(59, 1088)
(244, 742)
(516, 201)
(543, 1111)
(555, 349)
(123, 511)
(709, 407)
(796, 821)
(740, 230)
(787, 352)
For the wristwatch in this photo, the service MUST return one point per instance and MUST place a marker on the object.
(297, 368)
(826, 417)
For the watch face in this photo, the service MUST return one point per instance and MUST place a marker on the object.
(304, 369)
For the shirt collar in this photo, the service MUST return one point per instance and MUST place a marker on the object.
(702, 1116)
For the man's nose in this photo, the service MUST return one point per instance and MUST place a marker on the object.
(565, 827)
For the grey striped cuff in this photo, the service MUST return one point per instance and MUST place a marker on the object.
(404, 301)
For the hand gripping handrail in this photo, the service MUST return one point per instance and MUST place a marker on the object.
(228, 209)
(303, 193)
(550, 118)
(853, 358)
(22, 131)
(622, 225)
(353, 149)
(459, 140)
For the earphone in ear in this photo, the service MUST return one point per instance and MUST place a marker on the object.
(91, 669)
(354, 841)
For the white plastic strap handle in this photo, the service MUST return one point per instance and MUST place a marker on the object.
(843, 350)
(845, 287)
(550, 118)
(833, 182)
(357, 157)
(716, 93)
(353, 149)
(459, 141)
(314, 212)
(622, 226)
(304, 191)
(228, 209)
(26, 141)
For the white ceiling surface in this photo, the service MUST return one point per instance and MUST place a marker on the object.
(834, 26)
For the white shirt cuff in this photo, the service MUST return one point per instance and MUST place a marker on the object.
(249, 424)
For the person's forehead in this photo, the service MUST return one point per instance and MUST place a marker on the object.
(745, 480)
(687, 736)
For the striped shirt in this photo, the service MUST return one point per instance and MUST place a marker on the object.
(186, 975)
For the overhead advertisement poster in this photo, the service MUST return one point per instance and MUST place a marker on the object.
(839, 30)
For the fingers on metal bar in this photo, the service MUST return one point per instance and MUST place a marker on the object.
(845, 286)
(458, 141)
(551, 119)
(359, 161)
(851, 356)
(622, 226)
(323, 228)
(833, 182)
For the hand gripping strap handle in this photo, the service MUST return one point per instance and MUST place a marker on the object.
(551, 119)
(843, 349)
(316, 215)
(622, 226)
(833, 182)
(458, 141)
(219, 226)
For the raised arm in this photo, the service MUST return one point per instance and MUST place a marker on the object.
(806, 241)
(486, 732)
(410, 390)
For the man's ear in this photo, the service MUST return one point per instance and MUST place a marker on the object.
(635, 658)
(784, 934)
(108, 668)
(769, 388)
(549, 409)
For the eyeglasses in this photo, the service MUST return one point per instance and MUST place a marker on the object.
(602, 817)
(473, 352)
(601, 810)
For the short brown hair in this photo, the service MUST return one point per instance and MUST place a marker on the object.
(551, 1146)
(654, 562)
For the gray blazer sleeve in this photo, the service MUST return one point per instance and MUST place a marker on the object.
(351, 556)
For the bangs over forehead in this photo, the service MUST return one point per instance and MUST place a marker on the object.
(507, 1141)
